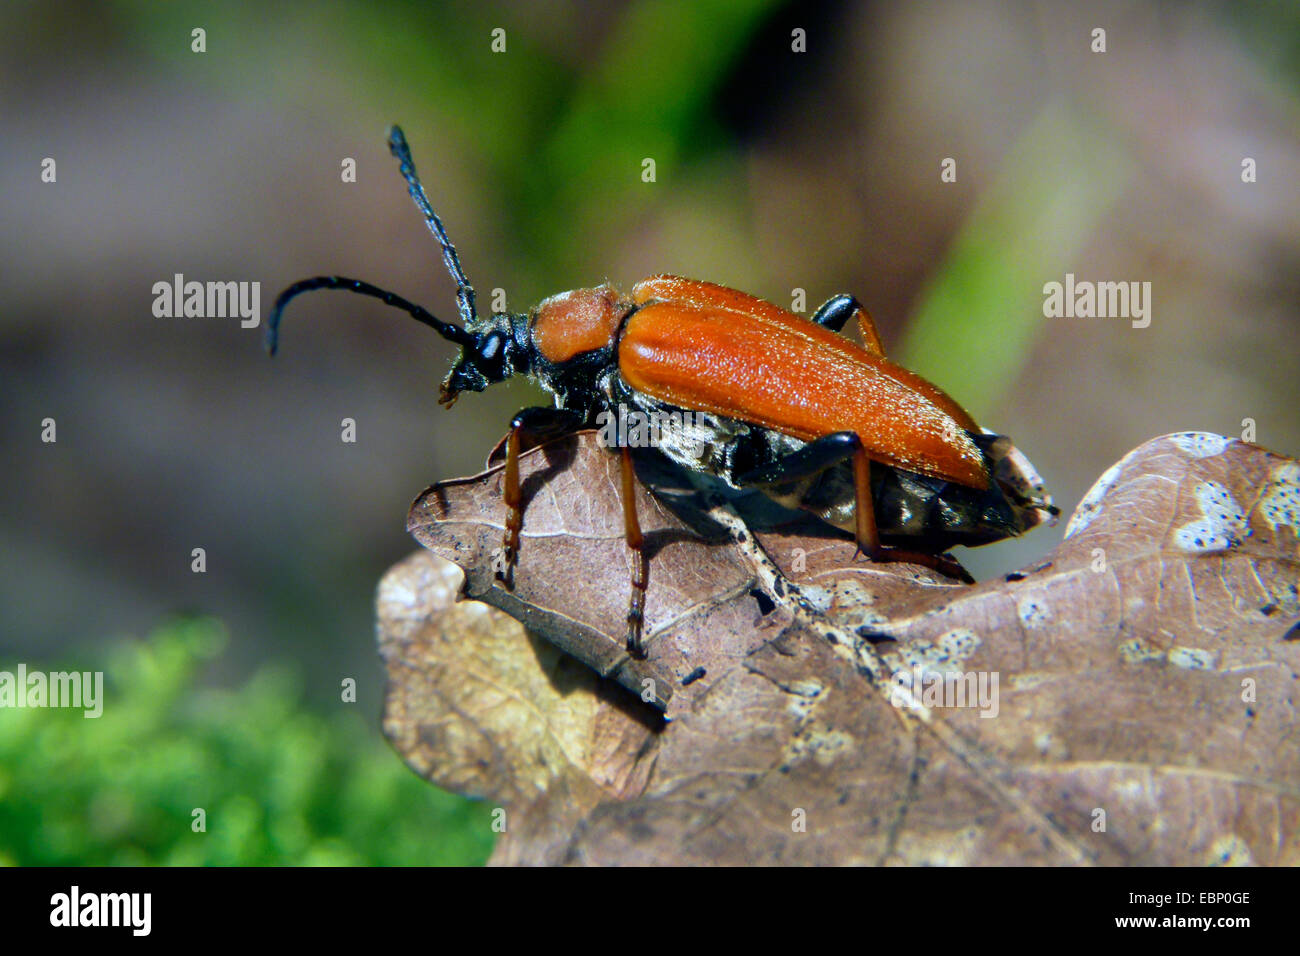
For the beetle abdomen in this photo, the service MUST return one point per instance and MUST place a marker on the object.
(931, 512)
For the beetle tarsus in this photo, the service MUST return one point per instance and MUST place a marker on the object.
(943, 563)
(634, 647)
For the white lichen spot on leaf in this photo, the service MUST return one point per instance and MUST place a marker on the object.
(1137, 651)
(1280, 502)
(1222, 525)
(943, 657)
(1033, 612)
(1229, 850)
(1192, 658)
(1200, 444)
(1091, 503)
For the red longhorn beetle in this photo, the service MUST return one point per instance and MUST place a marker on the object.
(789, 406)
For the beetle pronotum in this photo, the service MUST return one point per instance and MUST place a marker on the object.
(781, 403)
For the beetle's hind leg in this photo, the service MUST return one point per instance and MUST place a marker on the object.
(837, 310)
(868, 537)
(528, 429)
(830, 450)
(641, 566)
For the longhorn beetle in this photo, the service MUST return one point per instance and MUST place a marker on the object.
(781, 403)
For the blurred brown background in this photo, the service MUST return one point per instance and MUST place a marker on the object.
(775, 170)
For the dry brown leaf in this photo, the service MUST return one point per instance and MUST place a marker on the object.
(1145, 700)
(478, 706)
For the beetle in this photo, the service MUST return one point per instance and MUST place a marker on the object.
(778, 402)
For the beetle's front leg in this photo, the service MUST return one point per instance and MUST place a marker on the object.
(635, 543)
(528, 429)
(830, 450)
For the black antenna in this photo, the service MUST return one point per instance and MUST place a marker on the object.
(464, 291)
(419, 313)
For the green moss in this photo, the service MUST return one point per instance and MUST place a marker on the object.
(279, 784)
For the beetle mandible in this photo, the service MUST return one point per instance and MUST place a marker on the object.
(780, 403)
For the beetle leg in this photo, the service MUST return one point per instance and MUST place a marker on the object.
(812, 458)
(830, 450)
(528, 429)
(514, 514)
(865, 532)
(868, 537)
(837, 310)
(641, 567)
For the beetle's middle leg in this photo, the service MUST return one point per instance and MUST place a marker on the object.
(528, 429)
(830, 450)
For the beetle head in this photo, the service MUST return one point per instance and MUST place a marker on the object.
(494, 352)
